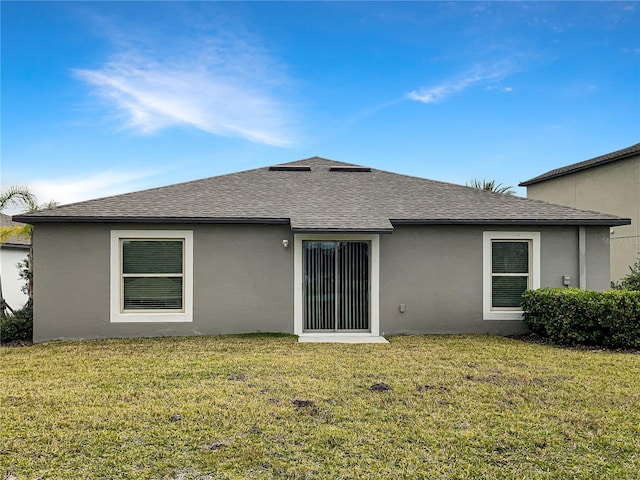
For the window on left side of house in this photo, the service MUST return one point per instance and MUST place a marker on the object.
(152, 275)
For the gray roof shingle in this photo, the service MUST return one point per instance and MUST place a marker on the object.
(631, 151)
(15, 242)
(320, 200)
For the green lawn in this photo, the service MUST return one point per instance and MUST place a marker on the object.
(230, 407)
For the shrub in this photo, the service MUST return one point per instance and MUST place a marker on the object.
(17, 326)
(631, 281)
(583, 317)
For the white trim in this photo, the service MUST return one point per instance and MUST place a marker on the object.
(116, 316)
(298, 279)
(582, 247)
(487, 237)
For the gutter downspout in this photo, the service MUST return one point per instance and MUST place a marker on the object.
(582, 247)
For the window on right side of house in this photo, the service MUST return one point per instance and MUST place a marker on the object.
(510, 273)
(511, 265)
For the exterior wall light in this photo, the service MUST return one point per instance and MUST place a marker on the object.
(285, 243)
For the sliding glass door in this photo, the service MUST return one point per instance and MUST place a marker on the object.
(336, 290)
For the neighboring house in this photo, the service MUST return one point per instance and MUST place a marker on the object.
(13, 251)
(609, 183)
(318, 248)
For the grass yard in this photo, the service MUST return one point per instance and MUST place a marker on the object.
(267, 407)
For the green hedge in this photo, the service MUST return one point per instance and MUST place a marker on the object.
(17, 327)
(582, 317)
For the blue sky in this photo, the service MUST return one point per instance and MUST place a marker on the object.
(101, 98)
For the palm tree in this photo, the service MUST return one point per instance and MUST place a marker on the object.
(19, 197)
(491, 186)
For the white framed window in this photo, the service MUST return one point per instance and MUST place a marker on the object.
(151, 276)
(511, 265)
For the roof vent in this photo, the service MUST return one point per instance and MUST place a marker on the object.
(349, 168)
(289, 168)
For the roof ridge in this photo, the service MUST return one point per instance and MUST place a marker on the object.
(322, 159)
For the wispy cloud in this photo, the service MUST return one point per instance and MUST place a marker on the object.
(97, 185)
(480, 75)
(500, 88)
(218, 84)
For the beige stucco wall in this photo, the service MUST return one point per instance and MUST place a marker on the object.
(611, 188)
(243, 279)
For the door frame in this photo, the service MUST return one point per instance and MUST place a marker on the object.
(298, 279)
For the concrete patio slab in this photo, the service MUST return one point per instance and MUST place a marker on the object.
(329, 338)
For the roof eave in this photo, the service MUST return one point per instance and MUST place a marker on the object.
(520, 221)
(321, 230)
(120, 219)
(612, 222)
(17, 246)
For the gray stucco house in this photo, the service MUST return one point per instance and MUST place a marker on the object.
(607, 183)
(314, 247)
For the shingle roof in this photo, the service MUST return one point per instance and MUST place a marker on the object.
(17, 242)
(320, 200)
(631, 151)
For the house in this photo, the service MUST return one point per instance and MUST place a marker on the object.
(315, 247)
(608, 183)
(12, 252)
